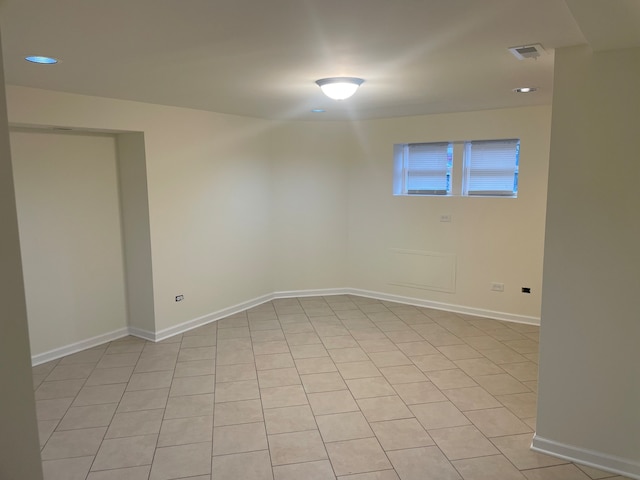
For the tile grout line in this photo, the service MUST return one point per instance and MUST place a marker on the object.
(378, 318)
(264, 420)
(307, 396)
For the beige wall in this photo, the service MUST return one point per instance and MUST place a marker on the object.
(492, 239)
(209, 195)
(19, 445)
(241, 207)
(209, 198)
(136, 234)
(69, 218)
(589, 391)
(309, 205)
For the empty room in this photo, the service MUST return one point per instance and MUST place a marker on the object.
(356, 240)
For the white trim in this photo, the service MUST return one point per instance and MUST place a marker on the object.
(78, 346)
(321, 292)
(143, 334)
(225, 312)
(211, 317)
(591, 458)
(241, 307)
(478, 312)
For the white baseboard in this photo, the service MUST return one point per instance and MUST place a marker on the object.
(241, 307)
(143, 334)
(602, 461)
(211, 317)
(78, 346)
(320, 292)
(225, 312)
(477, 312)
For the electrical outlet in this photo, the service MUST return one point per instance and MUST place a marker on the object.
(179, 298)
(526, 289)
(497, 287)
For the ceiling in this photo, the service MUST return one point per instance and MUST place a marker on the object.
(260, 58)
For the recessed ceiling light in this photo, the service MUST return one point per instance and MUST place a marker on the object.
(41, 60)
(318, 110)
(525, 89)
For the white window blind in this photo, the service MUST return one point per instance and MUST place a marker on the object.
(491, 167)
(427, 168)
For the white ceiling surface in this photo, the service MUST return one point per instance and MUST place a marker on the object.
(260, 58)
(608, 24)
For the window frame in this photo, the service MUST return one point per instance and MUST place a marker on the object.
(402, 187)
(457, 172)
(467, 169)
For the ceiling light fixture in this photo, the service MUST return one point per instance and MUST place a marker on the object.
(525, 89)
(339, 88)
(41, 60)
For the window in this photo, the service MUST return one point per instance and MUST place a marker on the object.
(491, 167)
(467, 168)
(426, 169)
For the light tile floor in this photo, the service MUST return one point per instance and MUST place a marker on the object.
(313, 388)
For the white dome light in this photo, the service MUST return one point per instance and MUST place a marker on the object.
(339, 88)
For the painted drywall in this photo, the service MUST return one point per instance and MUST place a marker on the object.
(309, 205)
(492, 239)
(134, 211)
(19, 445)
(589, 390)
(69, 217)
(209, 199)
(208, 180)
(240, 207)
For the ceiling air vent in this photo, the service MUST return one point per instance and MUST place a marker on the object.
(527, 51)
